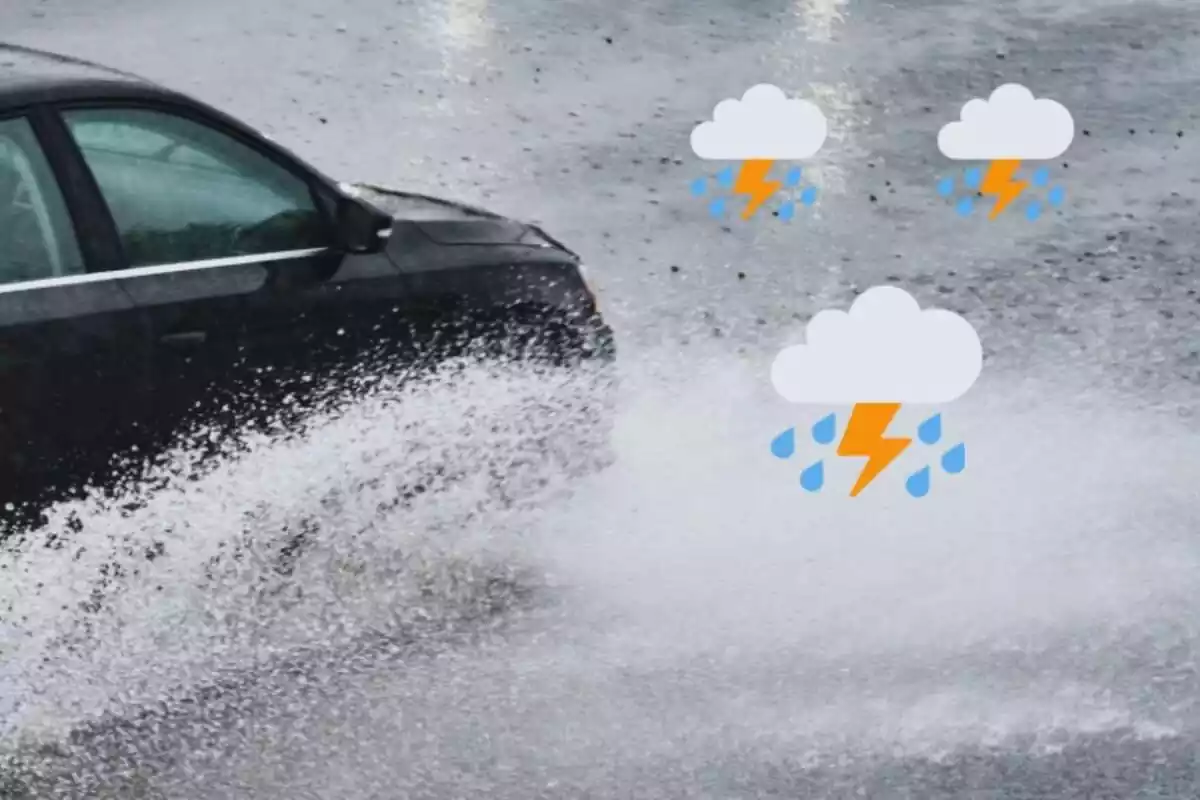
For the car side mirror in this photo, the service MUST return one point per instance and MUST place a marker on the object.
(362, 227)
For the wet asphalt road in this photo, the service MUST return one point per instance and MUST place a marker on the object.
(577, 115)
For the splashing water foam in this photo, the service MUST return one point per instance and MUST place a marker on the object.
(383, 501)
(686, 606)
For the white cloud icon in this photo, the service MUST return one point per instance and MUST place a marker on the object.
(884, 350)
(1011, 124)
(764, 124)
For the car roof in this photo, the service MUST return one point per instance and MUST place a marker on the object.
(31, 75)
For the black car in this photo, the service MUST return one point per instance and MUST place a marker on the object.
(162, 264)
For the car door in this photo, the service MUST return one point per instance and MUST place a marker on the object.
(73, 357)
(231, 252)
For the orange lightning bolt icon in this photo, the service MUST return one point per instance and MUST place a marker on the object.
(999, 181)
(752, 181)
(864, 436)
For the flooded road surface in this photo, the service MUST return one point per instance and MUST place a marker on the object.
(685, 622)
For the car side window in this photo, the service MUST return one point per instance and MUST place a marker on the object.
(181, 191)
(37, 239)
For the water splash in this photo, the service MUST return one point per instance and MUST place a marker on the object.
(918, 483)
(780, 599)
(825, 429)
(954, 460)
(784, 445)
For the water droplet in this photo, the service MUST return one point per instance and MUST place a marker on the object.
(973, 177)
(725, 177)
(1034, 211)
(793, 177)
(783, 445)
(717, 207)
(1057, 195)
(825, 429)
(813, 477)
(930, 431)
(918, 483)
(787, 211)
(809, 196)
(699, 187)
(946, 187)
(965, 206)
(1041, 177)
(954, 460)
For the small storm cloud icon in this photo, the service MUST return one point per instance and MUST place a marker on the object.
(1007, 128)
(763, 127)
(885, 351)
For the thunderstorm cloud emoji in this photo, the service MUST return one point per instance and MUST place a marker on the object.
(1009, 127)
(883, 352)
(763, 127)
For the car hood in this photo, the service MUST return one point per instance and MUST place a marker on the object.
(450, 222)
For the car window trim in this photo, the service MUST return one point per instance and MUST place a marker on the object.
(201, 116)
(163, 269)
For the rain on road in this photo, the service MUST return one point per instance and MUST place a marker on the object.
(705, 633)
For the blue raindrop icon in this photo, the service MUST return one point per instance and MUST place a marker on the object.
(793, 177)
(946, 187)
(725, 178)
(1057, 195)
(965, 206)
(825, 429)
(918, 483)
(930, 431)
(787, 211)
(813, 477)
(973, 177)
(717, 207)
(699, 187)
(1041, 177)
(954, 460)
(1034, 211)
(809, 195)
(784, 445)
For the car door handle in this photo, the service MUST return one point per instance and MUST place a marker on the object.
(184, 338)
